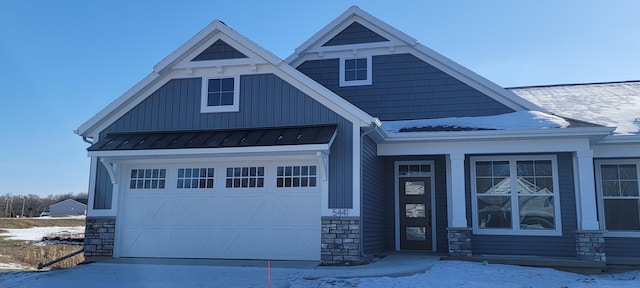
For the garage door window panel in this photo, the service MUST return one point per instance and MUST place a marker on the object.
(296, 176)
(147, 178)
(245, 177)
(195, 178)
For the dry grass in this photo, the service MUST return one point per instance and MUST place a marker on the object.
(30, 255)
(21, 223)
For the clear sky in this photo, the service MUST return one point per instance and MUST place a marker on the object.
(63, 61)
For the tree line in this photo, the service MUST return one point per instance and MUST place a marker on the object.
(31, 205)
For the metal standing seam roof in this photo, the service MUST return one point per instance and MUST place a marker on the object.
(219, 138)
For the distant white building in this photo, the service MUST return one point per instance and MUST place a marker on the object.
(69, 207)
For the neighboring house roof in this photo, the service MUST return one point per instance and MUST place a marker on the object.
(613, 104)
(399, 42)
(68, 201)
(299, 135)
(258, 59)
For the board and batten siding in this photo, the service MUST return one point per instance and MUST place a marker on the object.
(564, 245)
(374, 201)
(265, 101)
(405, 87)
(355, 33)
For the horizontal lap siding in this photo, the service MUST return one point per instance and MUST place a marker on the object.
(564, 245)
(405, 87)
(265, 101)
(374, 201)
(622, 247)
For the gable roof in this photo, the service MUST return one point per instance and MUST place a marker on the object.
(614, 104)
(180, 60)
(399, 42)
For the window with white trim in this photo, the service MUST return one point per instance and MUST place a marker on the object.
(296, 176)
(245, 177)
(619, 195)
(195, 178)
(147, 178)
(355, 71)
(515, 195)
(220, 94)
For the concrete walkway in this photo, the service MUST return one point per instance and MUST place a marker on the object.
(214, 273)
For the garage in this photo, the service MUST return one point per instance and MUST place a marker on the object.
(226, 210)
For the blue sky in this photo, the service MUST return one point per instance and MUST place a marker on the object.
(63, 61)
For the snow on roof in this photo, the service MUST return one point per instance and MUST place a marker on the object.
(613, 104)
(521, 120)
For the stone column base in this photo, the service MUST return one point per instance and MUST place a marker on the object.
(340, 242)
(590, 245)
(459, 241)
(99, 237)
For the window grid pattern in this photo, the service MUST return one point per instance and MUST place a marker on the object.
(200, 178)
(296, 176)
(147, 178)
(355, 69)
(524, 202)
(220, 92)
(245, 177)
(414, 170)
(621, 199)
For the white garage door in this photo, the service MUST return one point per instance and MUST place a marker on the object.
(222, 210)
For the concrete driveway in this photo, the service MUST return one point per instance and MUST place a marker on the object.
(213, 273)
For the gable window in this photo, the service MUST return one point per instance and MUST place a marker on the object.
(619, 195)
(220, 95)
(355, 71)
(515, 195)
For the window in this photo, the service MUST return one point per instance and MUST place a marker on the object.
(355, 71)
(296, 176)
(245, 177)
(619, 195)
(195, 178)
(147, 178)
(515, 195)
(220, 95)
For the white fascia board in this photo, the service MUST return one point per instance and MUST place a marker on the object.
(354, 13)
(144, 88)
(484, 147)
(323, 95)
(620, 139)
(490, 135)
(197, 152)
(476, 81)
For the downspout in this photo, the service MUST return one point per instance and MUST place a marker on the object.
(373, 126)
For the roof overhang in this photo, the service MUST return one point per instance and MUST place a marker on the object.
(297, 140)
(595, 134)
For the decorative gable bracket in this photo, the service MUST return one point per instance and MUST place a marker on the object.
(112, 170)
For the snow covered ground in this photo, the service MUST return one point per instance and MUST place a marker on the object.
(434, 274)
(36, 233)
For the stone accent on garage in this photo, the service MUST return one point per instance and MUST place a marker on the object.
(99, 237)
(340, 240)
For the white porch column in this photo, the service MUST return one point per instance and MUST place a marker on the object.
(585, 191)
(456, 203)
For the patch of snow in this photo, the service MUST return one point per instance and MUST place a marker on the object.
(521, 120)
(36, 233)
(63, 217)
(441, 274)
(608, 104)
(11, 266)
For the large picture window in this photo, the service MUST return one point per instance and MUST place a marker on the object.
(619, 195)
(515, 195)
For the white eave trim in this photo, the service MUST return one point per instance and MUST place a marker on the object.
(495, 134)
(620, 139)
(195, 152)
